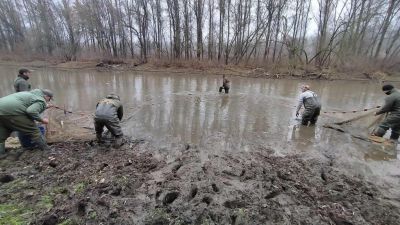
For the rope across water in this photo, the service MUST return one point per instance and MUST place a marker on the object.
(354, 111)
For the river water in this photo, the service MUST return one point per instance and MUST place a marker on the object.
(188, 108)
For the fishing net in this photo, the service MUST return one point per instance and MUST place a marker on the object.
(68, 126)
(63, 126)
(360, 125)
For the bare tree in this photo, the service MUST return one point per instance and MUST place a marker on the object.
(210, 29)
(325, 12)
(393, 4)
(186, 30)
(221, 5)
(198, 12)
(174, 12)
(69, 29)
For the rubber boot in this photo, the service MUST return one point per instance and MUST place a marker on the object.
(394, 136)
(2, 148)
(99, 138)
(42, 145)
(118, 142)
(379, 132)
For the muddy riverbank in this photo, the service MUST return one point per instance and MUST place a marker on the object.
(140, 183)
(306, 72)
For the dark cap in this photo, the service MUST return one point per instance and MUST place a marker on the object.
(113, 96)
(23, 70)
(387, 87)
(48, 93)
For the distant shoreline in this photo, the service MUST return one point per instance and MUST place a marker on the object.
(229, 70)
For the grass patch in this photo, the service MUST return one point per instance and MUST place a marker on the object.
(46, 202)
(68, 222)
(60, 190)
(16, 184)
(92, 215)
(14, 214)
(79, 188)
(158, 216)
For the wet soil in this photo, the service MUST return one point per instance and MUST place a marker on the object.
(140, 183)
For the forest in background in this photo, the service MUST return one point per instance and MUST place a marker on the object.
(346, 34)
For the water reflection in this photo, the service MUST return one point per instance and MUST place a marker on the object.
(303, 136)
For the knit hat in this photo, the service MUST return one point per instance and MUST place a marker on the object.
(48, 93)
(113, 96)
(23, 70)
(387, 87)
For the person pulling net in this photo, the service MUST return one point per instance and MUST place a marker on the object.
(392, 109)
(372, 124)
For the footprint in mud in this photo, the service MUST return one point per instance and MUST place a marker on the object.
(82, 207)
(273, 194)
(116, 191)
(193, 192)
(158, 193)
(215, 188)
(104, 165)
(232, 204)
(50, 220)
(207, 200)
(338, 220)
(53, 164)
(103, 202)
(170, 197)
(6, 178)
(176, 168)
(323, 176)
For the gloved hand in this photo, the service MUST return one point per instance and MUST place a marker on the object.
(297, 114)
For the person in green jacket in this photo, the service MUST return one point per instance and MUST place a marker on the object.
(109, 113)
(19, 111)
(21, 82)
(392, 108)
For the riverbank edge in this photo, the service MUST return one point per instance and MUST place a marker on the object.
(190, 68)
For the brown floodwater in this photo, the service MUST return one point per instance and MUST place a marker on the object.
(187, 108)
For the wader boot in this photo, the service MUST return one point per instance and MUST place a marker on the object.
(310, 115)
(3, 153)
(99, 139)
(41, 144)
(2, 148)
(391, 122)
(226, 89)
(118, 142)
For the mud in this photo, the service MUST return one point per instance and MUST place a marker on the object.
(140, 183)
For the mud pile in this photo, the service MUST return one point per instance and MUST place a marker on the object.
(82, 183)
